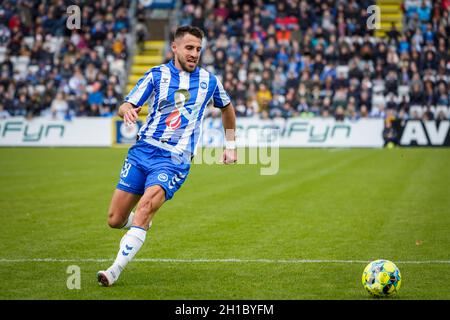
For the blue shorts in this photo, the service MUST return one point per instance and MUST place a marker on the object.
(147, 165)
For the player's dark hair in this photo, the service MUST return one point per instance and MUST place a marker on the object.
(181, 31)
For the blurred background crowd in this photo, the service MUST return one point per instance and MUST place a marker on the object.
(48, 69)
(277, 59)
(318, 58)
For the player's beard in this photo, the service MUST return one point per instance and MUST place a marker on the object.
(184, 64)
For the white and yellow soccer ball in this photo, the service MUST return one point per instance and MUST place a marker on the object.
(381, 278)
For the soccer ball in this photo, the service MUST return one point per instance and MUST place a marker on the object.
(381, 278)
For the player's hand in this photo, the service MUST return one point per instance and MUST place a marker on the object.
(131, 115)
(229, 156)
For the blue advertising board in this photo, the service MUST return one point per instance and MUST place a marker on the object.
(158, 4)
(125, 134)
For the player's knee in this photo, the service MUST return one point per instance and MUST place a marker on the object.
(114, 220)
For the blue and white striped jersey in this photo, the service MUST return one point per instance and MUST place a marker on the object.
(177, 101)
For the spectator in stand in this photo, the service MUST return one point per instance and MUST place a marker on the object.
(4, 114)
(287, 110)
(275, 106)
(110, 99)
(443, 94)
(428, 114)
(263, 97)
(339, 114)
(416, 95)
(59, 106)
(393, 34)
(424, 12)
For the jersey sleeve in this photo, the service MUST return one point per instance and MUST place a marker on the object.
(142, 90)
(220, 97)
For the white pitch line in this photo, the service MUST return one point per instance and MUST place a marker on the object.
(231, 260)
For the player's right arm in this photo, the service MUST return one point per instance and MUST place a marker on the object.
(129, 110)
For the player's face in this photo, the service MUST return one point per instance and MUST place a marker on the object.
(186, 51)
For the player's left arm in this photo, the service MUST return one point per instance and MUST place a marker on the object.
(229, 125)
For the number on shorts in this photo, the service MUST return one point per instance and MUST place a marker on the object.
(125, 169)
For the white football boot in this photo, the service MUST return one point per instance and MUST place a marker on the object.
(106, 278)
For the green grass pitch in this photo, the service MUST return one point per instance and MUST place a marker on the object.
(304, 233)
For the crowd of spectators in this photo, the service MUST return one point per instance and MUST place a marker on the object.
(275, 58)
(318, 58)
(49, 68)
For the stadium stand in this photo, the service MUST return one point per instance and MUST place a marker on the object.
(275, 58)
(318, 58)
(49, 70)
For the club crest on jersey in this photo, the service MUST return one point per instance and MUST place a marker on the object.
(203, 85)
